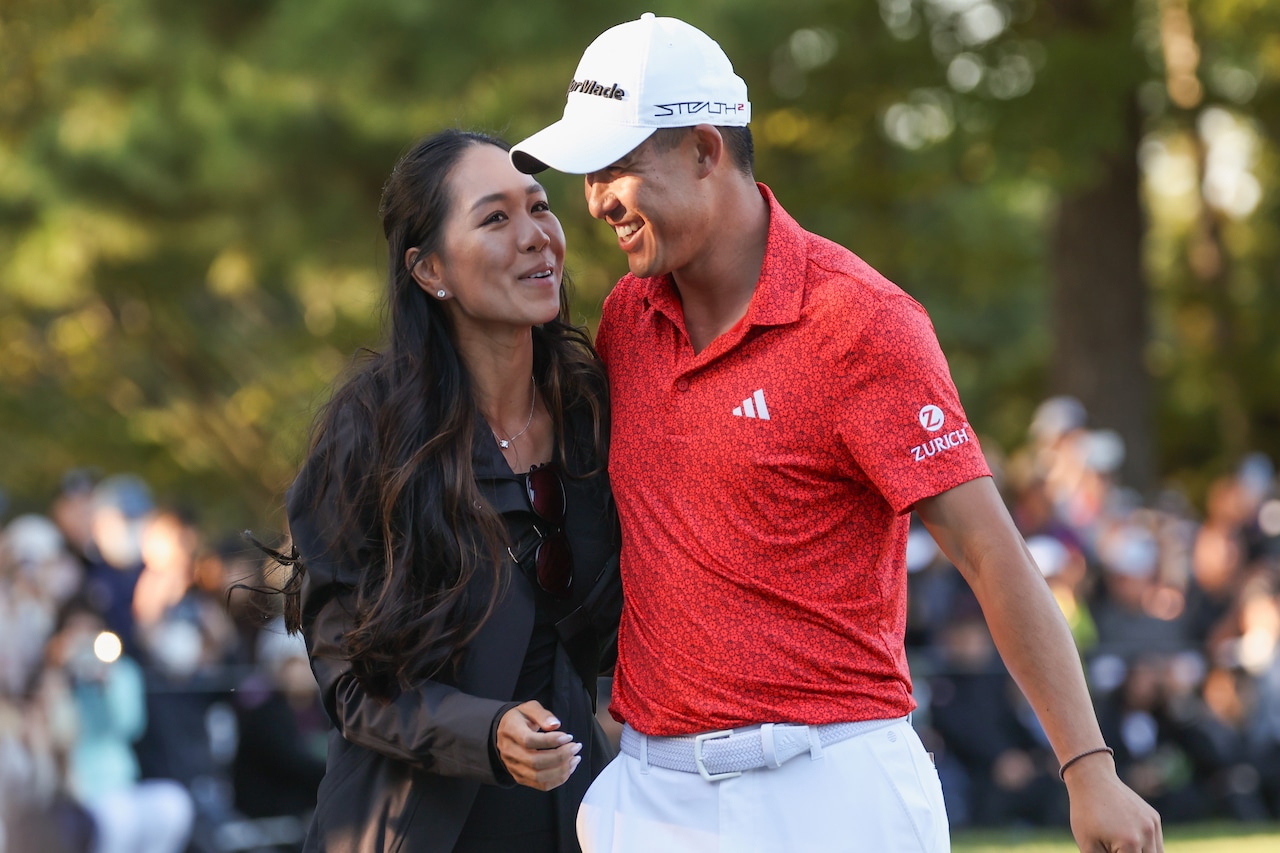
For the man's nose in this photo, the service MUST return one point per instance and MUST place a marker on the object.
(600, 198)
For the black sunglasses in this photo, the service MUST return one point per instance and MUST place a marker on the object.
(552, 557)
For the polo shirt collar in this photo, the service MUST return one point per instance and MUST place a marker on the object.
(779, 293)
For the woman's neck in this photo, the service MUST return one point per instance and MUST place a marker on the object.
(500, 371)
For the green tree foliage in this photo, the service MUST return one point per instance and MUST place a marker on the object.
(190, 250)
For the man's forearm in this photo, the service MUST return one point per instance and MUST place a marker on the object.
(974, 530)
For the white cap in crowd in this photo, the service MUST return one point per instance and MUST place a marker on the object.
(633, 79)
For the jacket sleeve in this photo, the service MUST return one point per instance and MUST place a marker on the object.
(434, 727)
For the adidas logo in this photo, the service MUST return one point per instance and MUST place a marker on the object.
(753, 407)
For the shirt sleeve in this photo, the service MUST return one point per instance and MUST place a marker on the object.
(901, 417)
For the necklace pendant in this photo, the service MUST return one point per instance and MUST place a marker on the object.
(505, 443)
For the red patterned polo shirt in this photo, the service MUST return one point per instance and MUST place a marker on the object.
(764, 487)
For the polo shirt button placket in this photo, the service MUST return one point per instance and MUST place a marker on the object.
(682, 385)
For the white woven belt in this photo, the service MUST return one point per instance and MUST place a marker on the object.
(731, 752)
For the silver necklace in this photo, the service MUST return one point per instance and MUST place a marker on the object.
(504, 443)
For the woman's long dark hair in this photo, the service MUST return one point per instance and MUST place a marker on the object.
(414, 492)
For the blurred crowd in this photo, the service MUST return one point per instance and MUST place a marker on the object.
(1176, 615)
(150, 700)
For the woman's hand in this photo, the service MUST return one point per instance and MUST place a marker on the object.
(536, 753)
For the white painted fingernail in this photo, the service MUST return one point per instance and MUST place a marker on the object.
(563, 739)
(551, 722)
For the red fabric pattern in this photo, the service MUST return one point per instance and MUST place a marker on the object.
(763, 486)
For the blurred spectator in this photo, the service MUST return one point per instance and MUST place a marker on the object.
(1264, 723)
(1180, 739)
(1218, 557)
(187, 705)
(1209, 716)
(1066, 572)
(120, 505)
(247, 583)
(1077, 465)
(36, 576)
(39, 551)
(91, 681)
(167, 602)
(1137, 611)
(187, 638)
(72, 510)
(932, 584)
(1258, 623)
(283, 730)
(1256, 476)
(36, 813)
(1134, 722)
(168, 551)
(1009, 773)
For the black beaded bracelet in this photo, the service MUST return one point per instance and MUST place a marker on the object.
(1062, 771)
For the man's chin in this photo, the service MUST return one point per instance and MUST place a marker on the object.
(641, 268)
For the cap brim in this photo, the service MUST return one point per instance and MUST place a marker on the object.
(577, 147)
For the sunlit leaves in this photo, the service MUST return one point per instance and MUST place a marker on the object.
(190, 250)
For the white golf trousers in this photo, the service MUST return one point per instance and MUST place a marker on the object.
(876, 792)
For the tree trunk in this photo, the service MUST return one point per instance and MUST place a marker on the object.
(1099, 305)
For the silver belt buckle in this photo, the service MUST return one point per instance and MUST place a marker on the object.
(698, 740)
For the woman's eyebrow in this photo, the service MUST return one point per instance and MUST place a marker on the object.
(532, 189)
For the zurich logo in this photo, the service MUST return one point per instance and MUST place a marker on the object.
(931, 418)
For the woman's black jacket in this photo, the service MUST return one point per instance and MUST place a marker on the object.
(402, 774)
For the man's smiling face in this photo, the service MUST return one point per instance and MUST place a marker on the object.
(651, 199)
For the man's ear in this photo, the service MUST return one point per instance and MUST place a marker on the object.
(709, 147)
(425, 270)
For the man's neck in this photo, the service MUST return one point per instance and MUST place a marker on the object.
(716, 288)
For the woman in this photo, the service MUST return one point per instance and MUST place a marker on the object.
(453, 516)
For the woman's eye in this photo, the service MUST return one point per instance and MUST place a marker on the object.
(541, 207)
(494, 217)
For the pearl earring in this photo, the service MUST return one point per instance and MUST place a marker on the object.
(440, 294)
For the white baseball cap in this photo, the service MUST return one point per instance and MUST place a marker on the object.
(633, 79)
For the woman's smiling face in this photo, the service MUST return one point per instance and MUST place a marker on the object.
(501, 255)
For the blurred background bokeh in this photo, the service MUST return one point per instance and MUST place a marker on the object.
(1083, 194)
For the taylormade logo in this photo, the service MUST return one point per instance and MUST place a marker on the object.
(591, 87)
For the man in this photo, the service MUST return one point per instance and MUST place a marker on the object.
(778, 409)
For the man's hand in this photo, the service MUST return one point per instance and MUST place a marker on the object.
(1106, 816)
(536, 753)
